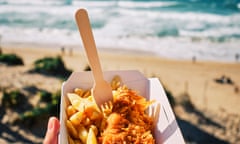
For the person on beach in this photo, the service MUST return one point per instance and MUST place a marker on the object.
(63, 50)
(0, 45)
(53, 127)
(237, 57)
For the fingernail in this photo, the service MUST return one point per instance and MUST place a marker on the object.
(50, 124)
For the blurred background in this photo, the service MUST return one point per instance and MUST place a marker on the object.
(192, 46)
(206, 29)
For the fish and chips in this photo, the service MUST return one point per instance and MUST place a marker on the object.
(121, 121)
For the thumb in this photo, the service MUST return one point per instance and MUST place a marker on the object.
(51, 136)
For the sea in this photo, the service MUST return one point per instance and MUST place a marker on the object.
(178, 29)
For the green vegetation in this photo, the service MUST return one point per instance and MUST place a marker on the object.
(51, 108)
(45, 96)
(52, 66)
(12, 99)
(48, 105)
(11, 59)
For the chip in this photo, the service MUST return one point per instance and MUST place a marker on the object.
(122, 120)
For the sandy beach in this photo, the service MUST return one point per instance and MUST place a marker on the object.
(197, 79)
(178, 76)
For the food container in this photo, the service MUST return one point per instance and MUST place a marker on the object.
(166, 128)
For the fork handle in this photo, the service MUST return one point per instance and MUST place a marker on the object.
(84, 27)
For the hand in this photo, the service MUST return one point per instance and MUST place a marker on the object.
(51, 136)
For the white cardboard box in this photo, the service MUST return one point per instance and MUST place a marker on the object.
(166, 130)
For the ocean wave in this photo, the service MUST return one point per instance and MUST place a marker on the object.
(219, 34)
(52, 36)
(223, 7)
(52, 10)
(178, 47)
(92, 4)
(163, 27)
(143, 4)
(30, 2)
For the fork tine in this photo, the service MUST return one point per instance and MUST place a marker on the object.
(107, 108)
(106, 105)
(110, 104)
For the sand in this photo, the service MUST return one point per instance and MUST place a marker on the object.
(178, 76)
(197, 79)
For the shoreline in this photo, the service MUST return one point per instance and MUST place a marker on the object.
(109, 50)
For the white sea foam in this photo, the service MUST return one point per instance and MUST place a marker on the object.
(180, 48)
(147, 26)
(31, 2)
(92, 4)
(131, 4)
(214, 32)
